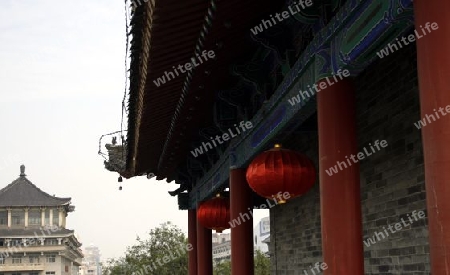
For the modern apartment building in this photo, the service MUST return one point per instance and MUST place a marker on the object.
(34, 239)
(260, 233)
(221, 247)
(91, 262)
(221, 243)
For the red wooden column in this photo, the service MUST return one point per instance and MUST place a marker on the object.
(340, 193)
(433, 64)
(241, 207)
(204, 250)
(192, 239)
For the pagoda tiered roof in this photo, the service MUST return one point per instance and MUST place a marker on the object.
(23, 192)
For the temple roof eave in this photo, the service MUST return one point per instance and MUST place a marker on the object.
(23, 193)
(157, 116)
(40, 232)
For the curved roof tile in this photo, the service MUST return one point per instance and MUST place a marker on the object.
(23, 192)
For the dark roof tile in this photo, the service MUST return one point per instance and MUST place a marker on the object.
(22, 192)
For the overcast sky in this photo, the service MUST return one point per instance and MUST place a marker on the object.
(62, 82)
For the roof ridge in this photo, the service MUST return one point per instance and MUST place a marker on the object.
(43, 192)
(4, 189)
(23, 192)
(17, 181)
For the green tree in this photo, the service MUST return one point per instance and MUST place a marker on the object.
(223, 268)
(164, 252)
(262, 264)
(114, 267)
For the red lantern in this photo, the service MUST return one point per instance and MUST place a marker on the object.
(276, 171)
(215, 213)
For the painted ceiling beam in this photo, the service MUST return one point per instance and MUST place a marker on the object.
(350, 41)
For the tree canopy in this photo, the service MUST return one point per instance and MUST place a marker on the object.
(165, 252)
(262, 265)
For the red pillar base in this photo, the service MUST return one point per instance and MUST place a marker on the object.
(433, 65)
(241, 235)
(340, 193)
(204, 250)
(192, 239)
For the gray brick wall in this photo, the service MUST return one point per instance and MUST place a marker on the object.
(295, 226)
(392, 180)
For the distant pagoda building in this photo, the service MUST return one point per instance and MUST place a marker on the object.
(33, 235)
